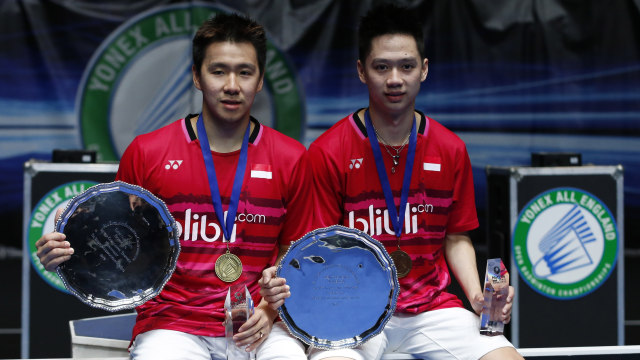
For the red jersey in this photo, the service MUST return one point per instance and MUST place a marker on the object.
(441, 200)
(273, 209)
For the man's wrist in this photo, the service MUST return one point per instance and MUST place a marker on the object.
(271, 314)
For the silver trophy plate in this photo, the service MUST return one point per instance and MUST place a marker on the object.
(344, 288)
(125, 246)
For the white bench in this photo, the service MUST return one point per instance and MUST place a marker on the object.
(107, 337)
(101, 337)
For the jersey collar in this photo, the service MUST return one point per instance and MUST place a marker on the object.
(192, 132)
(363, 130)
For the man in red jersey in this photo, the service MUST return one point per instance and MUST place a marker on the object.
(398, 175)
(240, 191)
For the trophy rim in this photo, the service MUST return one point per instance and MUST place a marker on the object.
(356, 340)
(113, 305)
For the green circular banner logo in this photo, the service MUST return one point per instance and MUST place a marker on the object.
(139, 80)
(565, 243)
(42, 221)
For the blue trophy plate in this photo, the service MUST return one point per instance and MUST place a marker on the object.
(125, 246)
(344, 288)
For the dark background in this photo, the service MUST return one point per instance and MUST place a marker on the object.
(511, 77)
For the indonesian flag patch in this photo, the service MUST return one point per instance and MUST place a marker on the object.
(261, 171)
(431, 163)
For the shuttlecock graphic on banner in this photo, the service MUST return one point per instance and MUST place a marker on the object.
(563, 246)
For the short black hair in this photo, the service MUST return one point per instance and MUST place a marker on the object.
(229, 27)
(388, 19)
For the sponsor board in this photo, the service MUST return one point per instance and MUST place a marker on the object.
(565, 243)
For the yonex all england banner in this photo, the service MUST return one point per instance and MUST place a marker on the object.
(564, 232)
(509, 79)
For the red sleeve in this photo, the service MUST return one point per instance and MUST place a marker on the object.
(131, 163)
(298, 202)
(328, 189)
(463, 215)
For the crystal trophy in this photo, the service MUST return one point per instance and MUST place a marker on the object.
(238, 308)
(496, 290)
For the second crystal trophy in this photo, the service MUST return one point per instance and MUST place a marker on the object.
(238, 308)
(496, 290)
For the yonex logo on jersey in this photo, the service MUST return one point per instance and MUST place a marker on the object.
(355, 163)
(377, 220)
(197, 226)
(173, 164)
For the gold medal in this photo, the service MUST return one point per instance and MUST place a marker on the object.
(403, 262)
(228, 267)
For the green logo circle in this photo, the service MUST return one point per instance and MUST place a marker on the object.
(139, 80)
(565, 243)
(42, 221)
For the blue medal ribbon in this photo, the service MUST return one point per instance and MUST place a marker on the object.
(226, 224)
(396, 216)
